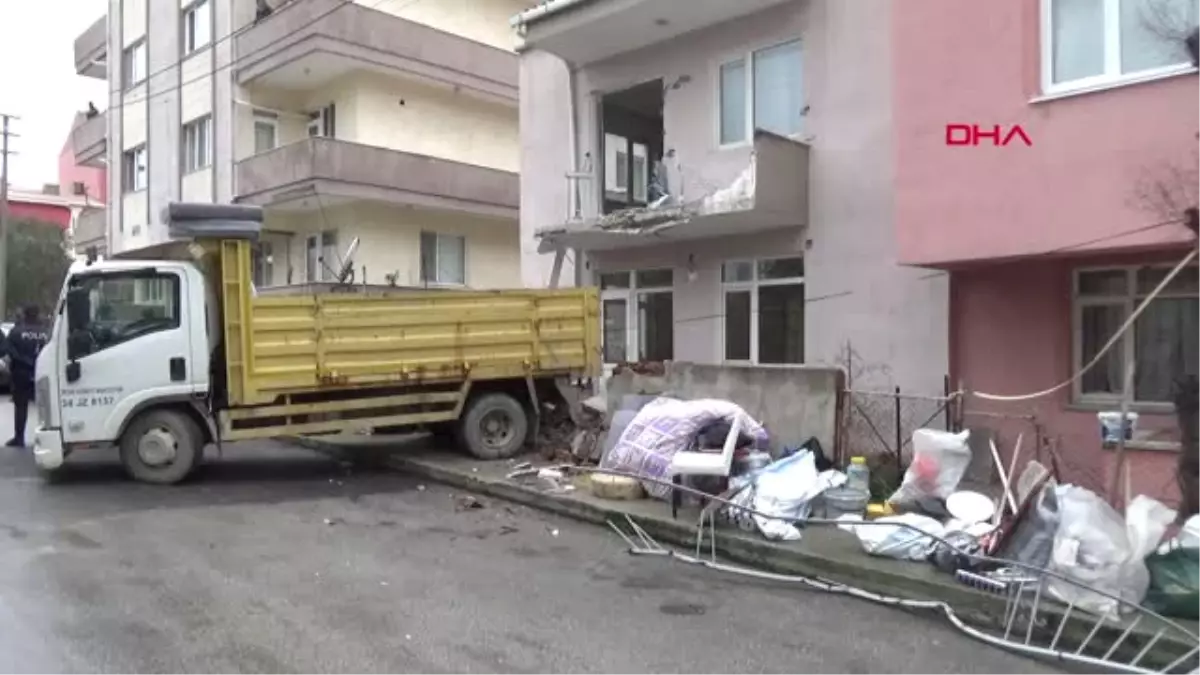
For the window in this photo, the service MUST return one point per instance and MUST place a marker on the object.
(443, 259)
(322, 122)
(638, 315)
(1162, 343)
(322, 260)
(764, 310)
(625, 162)
(197, 144)
(266, 131)
(1090, 42)
(197, 26)
(79, 188)
(763, 90)
(264, 264)
(133, 169)
(133, 64)
(123, 307)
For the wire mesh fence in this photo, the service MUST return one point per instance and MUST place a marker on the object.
(878, 425)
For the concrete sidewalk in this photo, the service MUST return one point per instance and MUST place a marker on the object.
(824, 552)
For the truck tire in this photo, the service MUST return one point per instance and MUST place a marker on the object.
(494, 427)
(161, 447)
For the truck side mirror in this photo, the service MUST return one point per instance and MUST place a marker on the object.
(77, 344)
(79, 313)
(78, 317)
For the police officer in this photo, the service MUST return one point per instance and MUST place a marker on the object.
(24, 342)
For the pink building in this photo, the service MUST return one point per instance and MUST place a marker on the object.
(1049, 246)
(72, 174)
(83, 174)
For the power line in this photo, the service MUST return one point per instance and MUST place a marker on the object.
(5, 134)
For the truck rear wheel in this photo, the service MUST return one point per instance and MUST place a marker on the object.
(494, 427)
(161, 446)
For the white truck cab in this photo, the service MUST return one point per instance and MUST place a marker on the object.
(127, 364)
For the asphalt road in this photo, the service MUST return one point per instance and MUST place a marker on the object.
(276, 560)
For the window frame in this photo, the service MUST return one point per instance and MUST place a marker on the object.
(1112, 75)
(323, 271)
(189, 28)
(752, 285)
(1128, 345)
(130, 64)
(262, 260)
(632, 295)
(746, 57)
(266, 119)
(197, 139)
(141, 278)
(129, 166)
(426, 279)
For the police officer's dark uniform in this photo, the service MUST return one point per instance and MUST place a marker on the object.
(24, 342)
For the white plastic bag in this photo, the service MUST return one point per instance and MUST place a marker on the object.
(940, 459)
(897, 541)
(784, 490)
(1095, 547)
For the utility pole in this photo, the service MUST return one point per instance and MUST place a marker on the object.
(5, 134)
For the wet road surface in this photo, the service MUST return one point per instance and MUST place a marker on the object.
(277, 560)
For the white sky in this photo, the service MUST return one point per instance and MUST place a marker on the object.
(38, 81)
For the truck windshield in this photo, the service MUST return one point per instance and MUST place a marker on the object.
(123, 306)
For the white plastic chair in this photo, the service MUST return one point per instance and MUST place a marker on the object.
(701, 463)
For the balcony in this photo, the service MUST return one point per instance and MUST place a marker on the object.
(769, 193)
(90, 229)
(302, 171)
(585, 31)
(89, 140)
(307, 43)
(91, 50)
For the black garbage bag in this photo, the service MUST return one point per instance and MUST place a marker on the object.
(1174, 583)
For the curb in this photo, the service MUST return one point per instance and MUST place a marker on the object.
(972, 606)
(744, 550)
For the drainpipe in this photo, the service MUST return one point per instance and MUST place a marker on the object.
(573, 125)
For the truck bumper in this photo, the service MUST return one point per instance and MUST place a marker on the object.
(47, 449)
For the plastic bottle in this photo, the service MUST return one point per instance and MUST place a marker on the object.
(858, 476)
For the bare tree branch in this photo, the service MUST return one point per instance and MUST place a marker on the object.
(1171, 20)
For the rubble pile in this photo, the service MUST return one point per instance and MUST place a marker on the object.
(652, 368)
(561, 439)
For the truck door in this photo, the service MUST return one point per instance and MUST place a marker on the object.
(125, 346)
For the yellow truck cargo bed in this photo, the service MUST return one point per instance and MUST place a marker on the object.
(277, 345)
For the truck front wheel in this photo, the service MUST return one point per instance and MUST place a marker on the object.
(161, 446)
(494, 427)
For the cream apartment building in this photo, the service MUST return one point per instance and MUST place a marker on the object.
(393, 122)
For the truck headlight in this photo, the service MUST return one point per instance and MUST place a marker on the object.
(42, 397)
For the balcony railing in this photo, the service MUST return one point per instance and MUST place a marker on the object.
(333, 167)
(90, 229)
(91, 50)
(340, 30)
(89, 140)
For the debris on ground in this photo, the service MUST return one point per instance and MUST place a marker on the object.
(420, 488)
(334, 521)
(468, 502)
(562, 439)
(652, 368)
(508, 529)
